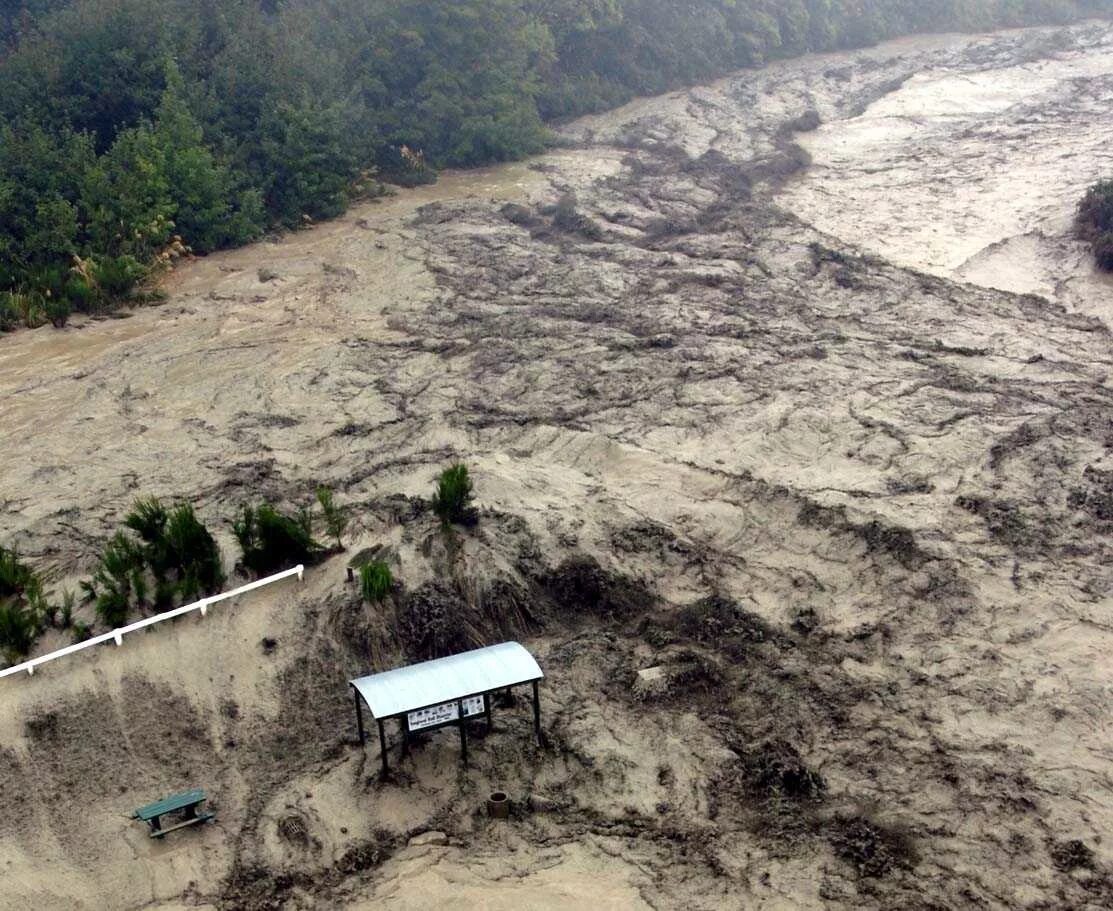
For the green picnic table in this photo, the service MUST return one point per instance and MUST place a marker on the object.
(185, 803)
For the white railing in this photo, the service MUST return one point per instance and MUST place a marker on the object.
(117, 635)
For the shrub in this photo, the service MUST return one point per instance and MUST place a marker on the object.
(9, 315)
(579, 585)
(873, 848)
(118, 580)
(15, 577)
(147, 519)
(58, 310)
(118, 276)
(1095, 222)
(66, 618)
(179, 551)
(22, 607)
(724, 624)
(192, 553)
(335, 518)
(81, 295)
(452, 500)
(1102, 248)
(433, 622)
(568, 218)
(28, 308)
(1071, 855)
(170, 547)
(271, 541)
(18, 628)
(375, 581)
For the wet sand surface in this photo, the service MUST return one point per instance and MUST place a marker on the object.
(807, 393)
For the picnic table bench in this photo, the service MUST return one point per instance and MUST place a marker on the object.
(186, 803)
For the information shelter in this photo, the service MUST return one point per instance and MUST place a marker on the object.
(446, 691)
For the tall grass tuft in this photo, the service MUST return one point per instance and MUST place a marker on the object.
(375, 581)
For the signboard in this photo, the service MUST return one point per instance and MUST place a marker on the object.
(447, 712)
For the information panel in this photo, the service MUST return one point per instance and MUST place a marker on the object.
(443, 714)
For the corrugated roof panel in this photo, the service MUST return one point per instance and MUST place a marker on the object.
(405, 689)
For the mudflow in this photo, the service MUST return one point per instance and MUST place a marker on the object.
(795, 386)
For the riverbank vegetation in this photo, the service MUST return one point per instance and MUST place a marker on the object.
(136, 131)
(164, 556)
(1095, 222)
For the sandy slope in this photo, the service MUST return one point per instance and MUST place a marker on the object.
(903, 480)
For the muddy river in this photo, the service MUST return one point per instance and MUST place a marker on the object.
(974, 173)
(766, 358)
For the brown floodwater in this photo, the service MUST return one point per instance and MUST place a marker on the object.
(974, 174)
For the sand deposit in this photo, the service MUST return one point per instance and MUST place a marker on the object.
(728, 415)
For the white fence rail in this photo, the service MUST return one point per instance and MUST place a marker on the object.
(117, 635)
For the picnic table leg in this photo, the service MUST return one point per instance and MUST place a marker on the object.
(155, 824)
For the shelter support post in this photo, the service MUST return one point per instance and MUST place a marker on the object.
(463, 732)
(359, 717)
(487, 712)
(382, 745)
(537, 711)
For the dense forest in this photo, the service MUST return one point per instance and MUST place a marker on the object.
(133, 131)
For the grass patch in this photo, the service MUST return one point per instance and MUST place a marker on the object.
(375, 581)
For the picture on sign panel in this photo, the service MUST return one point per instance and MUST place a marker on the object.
(443, 714)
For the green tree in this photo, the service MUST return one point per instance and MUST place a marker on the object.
(336, 520)
(452, 501)
(128, 199)
(41, 181)
(205, 207)
(305, 162)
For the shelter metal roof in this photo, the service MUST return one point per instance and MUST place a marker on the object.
(406, 689)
